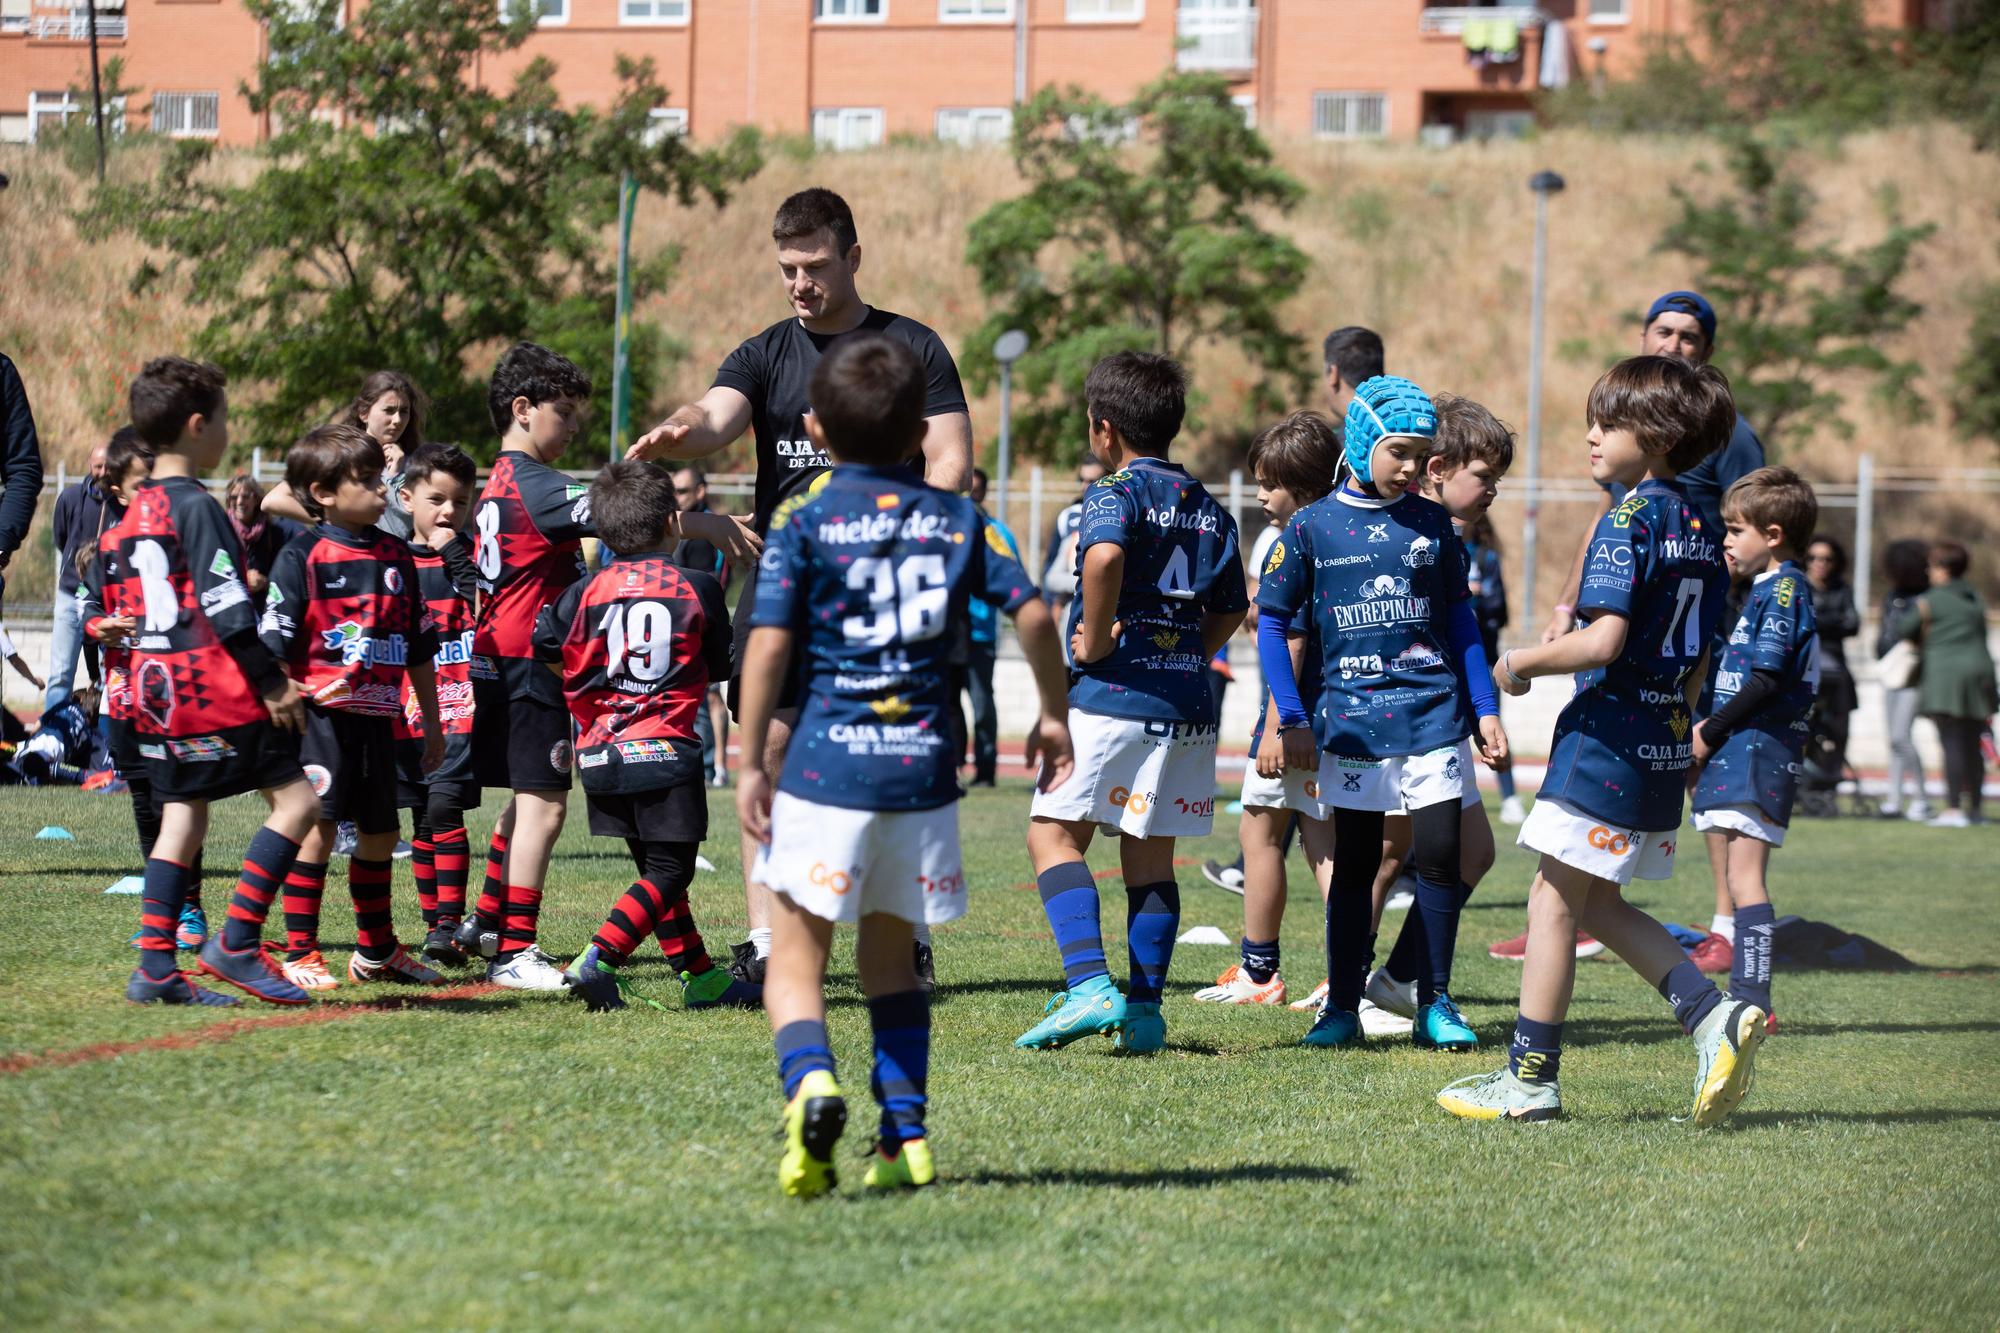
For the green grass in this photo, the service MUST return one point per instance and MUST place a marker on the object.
(513, 1160)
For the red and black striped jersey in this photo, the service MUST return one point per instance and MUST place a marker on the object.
(345, 614)
(527, 532)
(197, 667)
(638, 643)
(445, 580)
(100, 593)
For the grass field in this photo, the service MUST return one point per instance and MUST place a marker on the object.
(507, 1160)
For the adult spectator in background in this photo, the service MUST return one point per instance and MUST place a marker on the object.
(761, 386)
(20, 466)
(1059, 565)
(82, 514)
(1352, 354)
(1487, 584)
(1906, 565)
(711, 724)
(1839, 620)
(984, 652)
(263, 534)
(1955, 687)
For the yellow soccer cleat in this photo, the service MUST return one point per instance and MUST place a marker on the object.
(909, 1168)
(814, 1119)
(1726, 1042)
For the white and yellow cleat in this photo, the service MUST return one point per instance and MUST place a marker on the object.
(1236, 987)
(1501, 1096)
(309, 972)
(1726, 1042)
(814, 1120)
(398, 966)
(1313, 1003)
(910, 1167)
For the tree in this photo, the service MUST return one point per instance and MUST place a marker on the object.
(1121, 246)
(1794, 313)
(404, 215)
(1976, 404)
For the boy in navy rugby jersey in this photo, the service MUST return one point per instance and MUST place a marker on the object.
(1610, 806)
(863, 577)
(636, 645)
(436, 491)
(1159, 591)
(1381, 572)
(345, 613)
(1746, 752)
(206, 692)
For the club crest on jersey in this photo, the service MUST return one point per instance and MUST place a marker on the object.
(559, 756)
(320, 778)
(392, 578)
(156, 693)
(1277, 557)
(1423, 551)
(1167, 640)
(891, 709)
(1679, 724)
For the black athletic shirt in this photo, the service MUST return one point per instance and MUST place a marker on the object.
(772, 371)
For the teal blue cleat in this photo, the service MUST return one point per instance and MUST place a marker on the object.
(1092, 1007)
(1334, 1027)
(1144, 1032)
(1440, 1027)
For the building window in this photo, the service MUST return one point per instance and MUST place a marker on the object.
(975, 11)
(849, 11)
(663, 123)
(546, 12)
(186, 115)
(1105, 11)
(50, 111)
(974, 124)
(1350, 115)
(1246, 103)
(653, 11)
(844, 127)
(1609, 11)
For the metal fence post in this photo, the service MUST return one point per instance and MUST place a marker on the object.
(1864, 532)
(1034, 517)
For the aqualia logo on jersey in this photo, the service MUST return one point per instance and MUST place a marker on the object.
(454, 651)
(366, 650)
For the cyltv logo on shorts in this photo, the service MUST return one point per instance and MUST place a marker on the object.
(1605, 840)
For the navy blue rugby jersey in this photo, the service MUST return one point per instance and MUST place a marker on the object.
(1622, 745)
(869, 572)
(1181, 563)
(1376, 581)
(1759, 763)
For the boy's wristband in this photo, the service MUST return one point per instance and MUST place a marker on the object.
(1566, 609)
(1507, 669)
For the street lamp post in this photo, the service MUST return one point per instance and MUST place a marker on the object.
(1544, 184)
(1008, 348)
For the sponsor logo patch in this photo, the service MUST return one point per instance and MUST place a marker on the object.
(201, 749)
(559, 756)
(320, 778)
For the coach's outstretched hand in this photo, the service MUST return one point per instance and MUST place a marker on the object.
(1049, 744)
(661, 439)
(728, 534)
(287, 710)
(753, 803)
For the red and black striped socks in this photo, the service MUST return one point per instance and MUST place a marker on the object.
(493, 894)
(374, 930)
(451, 860)
(159, 913)
(266, 862)
(304, 886)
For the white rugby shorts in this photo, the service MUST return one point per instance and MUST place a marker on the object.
(1468, 780)
(1143, 779)
(1749, 820)
(1294, 789)
(1407, 782)
(841, 864)
(1621, 855)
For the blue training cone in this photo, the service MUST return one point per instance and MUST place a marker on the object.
(56, 833)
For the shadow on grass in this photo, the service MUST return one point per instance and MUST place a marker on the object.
(1921, 1115)
(1654, 1032)
(1186, 1177)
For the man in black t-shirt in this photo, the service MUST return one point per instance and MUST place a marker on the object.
(762, 386)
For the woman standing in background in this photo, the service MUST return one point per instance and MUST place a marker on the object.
(1905, 563)
(1955, 688)
(1839, 621)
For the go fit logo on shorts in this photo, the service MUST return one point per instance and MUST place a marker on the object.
(824, 876)
(1604, 840)
(1138, 802)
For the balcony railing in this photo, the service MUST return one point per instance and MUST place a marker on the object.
(74, 27)
(1450, 20)
(1218, 39)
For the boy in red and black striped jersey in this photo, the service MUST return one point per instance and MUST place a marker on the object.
(437, 488)
(206, 691)
(636, 646)
(346, 615)
(528, 531)
(128, 460)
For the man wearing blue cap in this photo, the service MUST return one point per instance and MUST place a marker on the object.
(1679, 324)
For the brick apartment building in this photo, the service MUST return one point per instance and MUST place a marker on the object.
(854, 72)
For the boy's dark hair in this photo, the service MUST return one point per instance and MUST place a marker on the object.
(1357, 351)
(327, 456)
(1775, 497)
(1951, 556)
(810, 212)
(1467, 433)
(1679, 412)
(533, 372)
(168, 391)
(1297, 454)
(631, 504)
(125, 446)
(1142, 394)
(414, 402)
(437, 456)
(868, 395)
(1907, 563)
